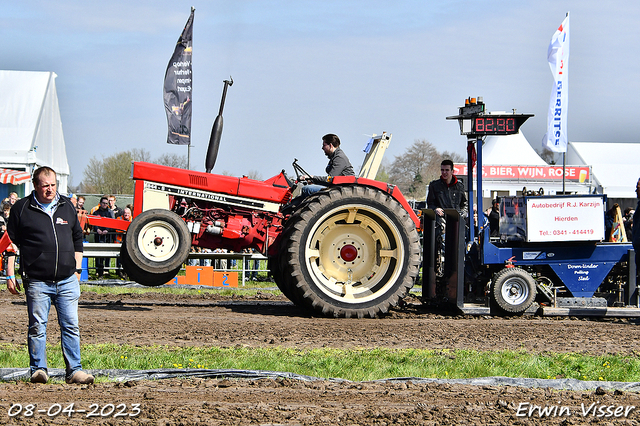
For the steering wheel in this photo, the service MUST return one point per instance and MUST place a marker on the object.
(299, 170)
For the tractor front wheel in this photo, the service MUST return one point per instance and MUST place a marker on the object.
(143, 277)
(157, 243)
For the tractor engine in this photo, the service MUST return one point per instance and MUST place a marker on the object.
(215, 225)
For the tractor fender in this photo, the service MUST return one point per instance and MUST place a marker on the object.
(392, 190)
(107, 222)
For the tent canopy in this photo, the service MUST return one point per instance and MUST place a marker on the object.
(30, 125)
(510, 150)
(14, 177)
(514, 151)
(615, 165)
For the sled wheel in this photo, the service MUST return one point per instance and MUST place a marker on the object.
(141, 277)
(350, 251)
(158, 241)
(514, 290)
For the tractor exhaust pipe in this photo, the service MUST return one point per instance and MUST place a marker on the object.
(216, 131)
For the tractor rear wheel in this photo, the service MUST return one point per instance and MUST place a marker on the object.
(276, 274)
(349, 251)
(157, 242)
(514, 290)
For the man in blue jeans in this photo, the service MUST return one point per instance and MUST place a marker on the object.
(45, 228)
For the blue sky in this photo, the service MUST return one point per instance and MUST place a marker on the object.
(305, 68)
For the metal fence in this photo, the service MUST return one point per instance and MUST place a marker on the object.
(112, 250)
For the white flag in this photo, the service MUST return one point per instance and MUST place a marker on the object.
(558, 56)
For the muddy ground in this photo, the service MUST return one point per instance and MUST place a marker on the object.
(208, 319)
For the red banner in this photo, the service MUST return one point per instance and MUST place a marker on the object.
(573, 173)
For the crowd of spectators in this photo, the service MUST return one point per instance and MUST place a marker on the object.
(107, 207)
(613, 228)
(5, 210)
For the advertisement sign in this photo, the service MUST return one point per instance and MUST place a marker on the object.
(554, 219)
(572, 173)
(583, 278)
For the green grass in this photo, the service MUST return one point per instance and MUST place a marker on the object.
(353, 364)
(250, 288)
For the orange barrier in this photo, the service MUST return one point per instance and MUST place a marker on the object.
(206, 275)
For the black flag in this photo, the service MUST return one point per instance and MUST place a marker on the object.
(177, 88)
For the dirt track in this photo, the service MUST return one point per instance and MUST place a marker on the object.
(267, 321)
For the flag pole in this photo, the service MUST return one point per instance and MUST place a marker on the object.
(193, 9)
(564, 170)
(564, 155)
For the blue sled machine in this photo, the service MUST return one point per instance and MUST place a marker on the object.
(548, 256)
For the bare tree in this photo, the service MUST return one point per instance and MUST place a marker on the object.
(254, 174)
(111, 175)
(417, 166)
(383, 171)
(172, 160)
(140, 154)
(93, 176)
(410, 170)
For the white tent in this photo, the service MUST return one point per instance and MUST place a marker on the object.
(30, 126)
(615, 165)
(515, 153)
(510, 150)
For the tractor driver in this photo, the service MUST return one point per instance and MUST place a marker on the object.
(339, 165)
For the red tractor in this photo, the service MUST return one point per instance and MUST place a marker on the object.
(350, 250)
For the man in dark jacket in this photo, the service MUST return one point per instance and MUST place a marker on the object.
(339, 165)
(103, 235)
(635, 234)
(45, 228)
(494, 218)
(447, 192)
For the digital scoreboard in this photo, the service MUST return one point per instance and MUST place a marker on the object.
(474, 121)
(490, 125)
